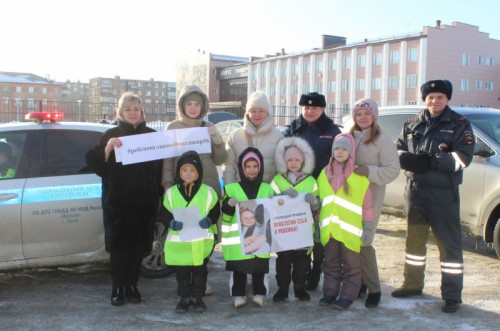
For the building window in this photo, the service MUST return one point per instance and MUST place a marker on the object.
(43, 90)
(464, 84)
(319, 87)
(332, 86)
(274, 71)
(346, 110)
(264, 72)
(488, 86)
(479, 84)
(295, 68)
(361, 61)
(319, 66)
(360, 84)
(345, 85)
(480, 59)
(411, 81)
(273, 90)
(31, 104)
(465, 60)
(283, 89)
(346, 62)
(376, 83)
(294, 89)
(490, 61)
(411, 103)
(394, 82)
(284, 70)
(394, 57)
(19, 89)
(31, 90)
(307, 67)
(412, 55)
(332, 65)
(377, 59)
(307, 88)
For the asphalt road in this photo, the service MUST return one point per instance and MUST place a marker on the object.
(77, 298)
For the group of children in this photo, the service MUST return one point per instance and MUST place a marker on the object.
(341, 205)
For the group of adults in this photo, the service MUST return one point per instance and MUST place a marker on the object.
(433, 149)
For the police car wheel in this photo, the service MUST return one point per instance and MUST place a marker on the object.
(153, 264)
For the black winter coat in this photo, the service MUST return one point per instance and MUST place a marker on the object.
(319, 135)
(130, 194)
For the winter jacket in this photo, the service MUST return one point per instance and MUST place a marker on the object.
(264, 138)
(130, 193)
(448, 137)
(382, 160)
(209, 161)
(319, 135)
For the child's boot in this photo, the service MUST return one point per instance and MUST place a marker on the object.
(239, 302)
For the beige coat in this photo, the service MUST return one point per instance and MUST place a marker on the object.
(382, 160)
(209, 161)
(264, 138)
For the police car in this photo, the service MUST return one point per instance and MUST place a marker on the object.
(50, 203)
(480, 190)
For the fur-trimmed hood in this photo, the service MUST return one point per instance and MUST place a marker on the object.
(303, 145)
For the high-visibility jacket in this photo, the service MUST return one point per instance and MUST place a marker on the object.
(308, 185)
(341, 215)
(10, 173)
(192, 252)
(231, 240)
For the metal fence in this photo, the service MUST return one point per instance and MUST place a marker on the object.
(156, 114)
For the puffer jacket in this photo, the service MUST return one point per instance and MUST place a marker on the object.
(264, 138)
(209, 161)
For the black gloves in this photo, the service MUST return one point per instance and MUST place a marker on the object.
(418, 164)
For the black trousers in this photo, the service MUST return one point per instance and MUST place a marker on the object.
(191, 280)
(126, 267)
(437, 209)
(292, 265)
(238, 284)
(314, 270)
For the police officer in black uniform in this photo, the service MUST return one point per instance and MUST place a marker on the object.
(434, 148)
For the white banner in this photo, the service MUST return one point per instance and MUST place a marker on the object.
(162, 145)
(274, 225)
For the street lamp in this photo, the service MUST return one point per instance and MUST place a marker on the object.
(79, 110)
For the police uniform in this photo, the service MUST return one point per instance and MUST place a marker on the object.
(434, 152)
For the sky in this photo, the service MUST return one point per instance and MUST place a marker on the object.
(78, 40)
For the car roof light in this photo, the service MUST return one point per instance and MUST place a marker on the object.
(51, 116)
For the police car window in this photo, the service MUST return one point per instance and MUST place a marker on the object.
(63, 151)
(11, 150)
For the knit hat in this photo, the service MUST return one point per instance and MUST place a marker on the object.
(190, 158)
(313, 99)
(248, 156)
(368, 104)
(258, 100)
(194, 97)
(293, 152)
(441, 85)
(342, 141)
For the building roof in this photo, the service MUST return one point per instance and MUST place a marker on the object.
(23, 78)
(230, 58)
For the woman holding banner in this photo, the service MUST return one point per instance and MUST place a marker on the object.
(130, 199)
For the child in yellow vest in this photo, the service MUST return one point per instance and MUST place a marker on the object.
(6, 170)
(190, 256)
(346, 223)
(294, 161)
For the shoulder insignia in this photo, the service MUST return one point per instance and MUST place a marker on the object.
(469, 137)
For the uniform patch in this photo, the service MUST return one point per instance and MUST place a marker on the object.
(469, 137)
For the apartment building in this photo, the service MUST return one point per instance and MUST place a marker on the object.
(158, 96)
(388, 70)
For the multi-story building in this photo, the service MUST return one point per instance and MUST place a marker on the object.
(388, 70)
(159, 97)
(21, 93)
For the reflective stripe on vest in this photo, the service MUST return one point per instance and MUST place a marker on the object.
(231, 241)
(341, 215)
(192, 252)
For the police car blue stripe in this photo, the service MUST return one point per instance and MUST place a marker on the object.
(62, 193)
(15, 201)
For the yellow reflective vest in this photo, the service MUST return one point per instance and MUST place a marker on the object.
(231, 241)
(341, 215)
(192, 252)
(10, 173)
(308, 185)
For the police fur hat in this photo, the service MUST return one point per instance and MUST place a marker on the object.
(313, 99)
(440, 85)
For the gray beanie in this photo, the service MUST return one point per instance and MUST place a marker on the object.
(344, 142)
(258, 100)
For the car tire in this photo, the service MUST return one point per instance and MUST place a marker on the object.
(153, 264)
(496, 238)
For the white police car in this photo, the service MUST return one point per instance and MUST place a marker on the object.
(50, 203)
